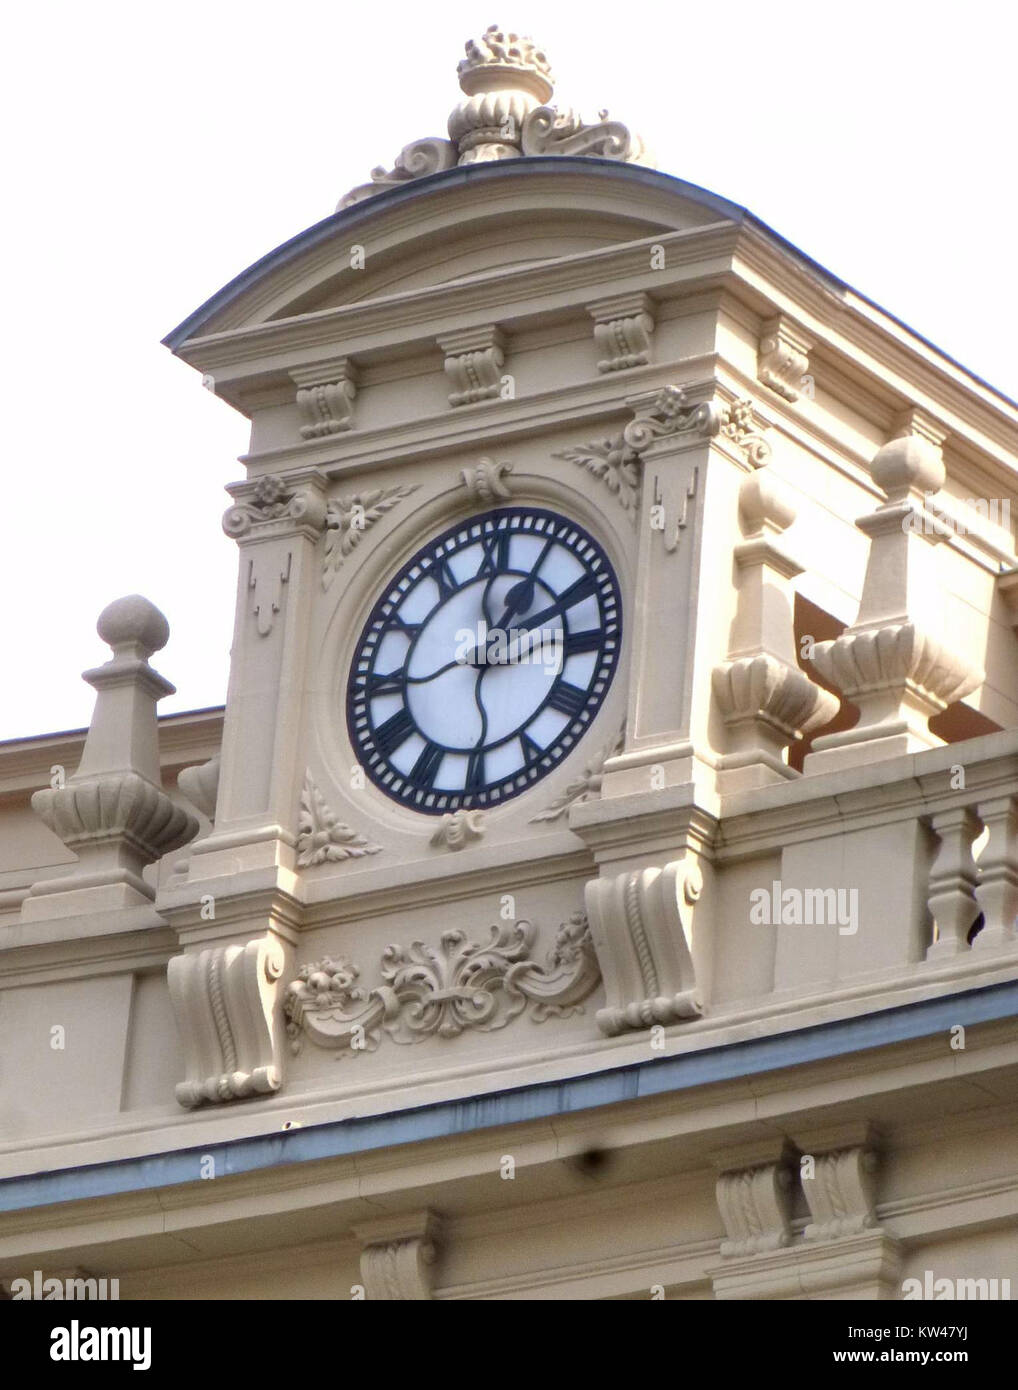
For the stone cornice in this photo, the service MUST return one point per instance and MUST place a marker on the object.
(371, 325)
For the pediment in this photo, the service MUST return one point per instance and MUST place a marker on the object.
(465, 223)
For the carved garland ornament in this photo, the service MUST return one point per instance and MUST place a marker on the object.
(441, 991)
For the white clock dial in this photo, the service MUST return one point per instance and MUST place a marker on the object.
(485, 660)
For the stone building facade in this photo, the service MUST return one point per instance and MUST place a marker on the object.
(601, 880)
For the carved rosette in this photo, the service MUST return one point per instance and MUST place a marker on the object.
(223, 999)
(443, 991)
(641, 924)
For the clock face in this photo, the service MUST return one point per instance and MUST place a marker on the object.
(484, 661)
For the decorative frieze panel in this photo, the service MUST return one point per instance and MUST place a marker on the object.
(442, 991)
(641, 924)
(347, 519)
(623, 326)
(783, 359)
(473, 363)
(325, 397)
(223, 1000)
(321, 836)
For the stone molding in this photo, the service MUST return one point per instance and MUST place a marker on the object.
(224, 1000)
(641, 924)
(442, 991)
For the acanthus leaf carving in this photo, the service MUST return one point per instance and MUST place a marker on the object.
(347, 518)
(739, 425)
(442, 991)
(611, 461)
(321, 836)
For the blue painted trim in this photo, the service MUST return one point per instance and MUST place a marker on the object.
(526, 1103)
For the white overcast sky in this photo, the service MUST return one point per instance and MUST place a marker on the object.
(154, 150)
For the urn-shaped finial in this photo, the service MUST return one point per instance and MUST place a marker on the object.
(504, 77)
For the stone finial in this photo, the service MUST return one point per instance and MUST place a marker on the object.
(113, 812)
(892, 662)
(765, 701)
(506, 83)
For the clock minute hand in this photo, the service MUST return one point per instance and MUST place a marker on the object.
(521, 595)
(582, 589)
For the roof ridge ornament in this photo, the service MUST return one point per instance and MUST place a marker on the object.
(504, 113)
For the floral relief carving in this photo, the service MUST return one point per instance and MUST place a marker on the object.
(441, 991)
(614, 463)
(347, 518)
(739, 426)
(322, 837)
(457, 829)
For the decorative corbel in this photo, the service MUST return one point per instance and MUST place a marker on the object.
(642, 928)
(783, 358)
(399, 1256)
(200, 784)
(224, 1001)
(325, 397)
(473, 363)
(623, 327)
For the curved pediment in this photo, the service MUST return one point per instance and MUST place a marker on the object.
(467, 222)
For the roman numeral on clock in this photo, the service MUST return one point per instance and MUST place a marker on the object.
(567, 699)
(408, 629)
(496, 553)
(531, 751)
(577, 642)
(394, 731)
(475, 771)
(423, 772)
(379, 684)
(445, 579)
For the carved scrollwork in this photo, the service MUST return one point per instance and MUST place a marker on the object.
(442, 991)
(486, 481)
(548, 130)
(457, 829)
(415, 161)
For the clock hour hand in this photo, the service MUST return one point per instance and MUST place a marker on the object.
(521, 595)
(576, 592)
